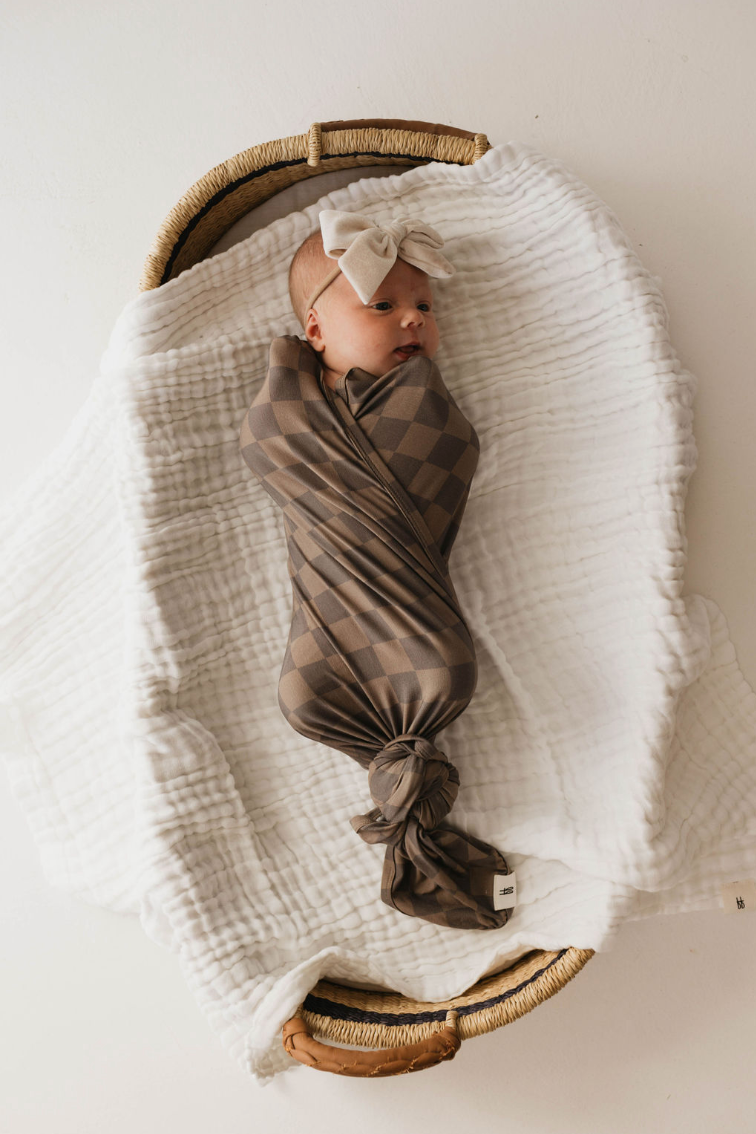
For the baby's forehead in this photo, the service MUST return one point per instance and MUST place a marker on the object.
(413, 281)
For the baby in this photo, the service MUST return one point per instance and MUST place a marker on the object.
(355, 436)
(397, 321)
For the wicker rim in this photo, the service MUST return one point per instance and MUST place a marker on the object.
(228, 191)
(386, 1019)
(361, 1017)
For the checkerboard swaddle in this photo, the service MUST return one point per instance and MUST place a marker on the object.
(372, 479)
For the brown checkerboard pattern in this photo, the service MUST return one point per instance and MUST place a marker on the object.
(372, 479)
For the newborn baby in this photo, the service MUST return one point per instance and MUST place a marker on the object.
(376, 336)
(355, 436)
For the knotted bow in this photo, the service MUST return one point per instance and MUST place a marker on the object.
(366, 251)
(429, 871)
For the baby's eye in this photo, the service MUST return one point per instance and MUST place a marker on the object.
(385, 303)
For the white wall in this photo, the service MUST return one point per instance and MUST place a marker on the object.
(110, 112)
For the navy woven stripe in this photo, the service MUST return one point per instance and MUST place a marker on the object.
(343, 1012)
(258, 173)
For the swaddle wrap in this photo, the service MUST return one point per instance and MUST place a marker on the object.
(372, 479)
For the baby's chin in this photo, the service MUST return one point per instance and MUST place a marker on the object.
(379, 367)
(394, 360)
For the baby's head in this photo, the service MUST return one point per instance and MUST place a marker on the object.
(347, 332)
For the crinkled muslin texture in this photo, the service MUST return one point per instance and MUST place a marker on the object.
(145, 607)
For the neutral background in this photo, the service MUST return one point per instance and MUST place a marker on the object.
(110, 112)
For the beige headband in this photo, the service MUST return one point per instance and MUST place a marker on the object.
(322, 286)
(366, 252)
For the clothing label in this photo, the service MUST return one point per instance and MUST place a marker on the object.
(739, 897)
(504, 891)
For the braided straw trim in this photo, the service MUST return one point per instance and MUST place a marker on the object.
(517, 990)
(214, 203)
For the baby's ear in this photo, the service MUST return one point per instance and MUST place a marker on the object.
(313, 330)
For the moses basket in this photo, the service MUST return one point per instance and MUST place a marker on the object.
(391, 1034)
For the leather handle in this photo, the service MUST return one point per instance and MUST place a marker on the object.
(298, 1041)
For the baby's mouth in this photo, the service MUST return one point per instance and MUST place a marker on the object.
(405, 352)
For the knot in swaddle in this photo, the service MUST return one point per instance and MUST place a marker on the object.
(367, 251)
(409, 777)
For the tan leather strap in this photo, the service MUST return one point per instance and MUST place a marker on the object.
(300, 1044)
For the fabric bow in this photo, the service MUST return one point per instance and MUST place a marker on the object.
(367, 251)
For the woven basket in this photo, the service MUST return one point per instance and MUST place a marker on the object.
(406, 1033)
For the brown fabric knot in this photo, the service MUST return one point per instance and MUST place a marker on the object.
(408, 778)
(432, 872)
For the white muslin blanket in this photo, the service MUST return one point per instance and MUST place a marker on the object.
(145, 605)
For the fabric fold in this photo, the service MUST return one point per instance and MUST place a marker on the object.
(372, 479)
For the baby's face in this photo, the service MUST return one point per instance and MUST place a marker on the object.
(347, 332)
